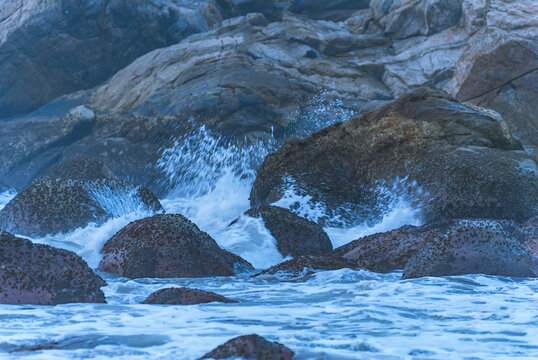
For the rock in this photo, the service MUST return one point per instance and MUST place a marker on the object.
(81, 167)
(52, 206)
(449, 159)
(499, 70)
(527, 234)
(335, 10)
(184, 296)
(385, 252)
(52, 48)
(43, 275)
(167, 246)
(405, 18)
(251, 347)
(306, 264)
(472, 247)
(294, 235)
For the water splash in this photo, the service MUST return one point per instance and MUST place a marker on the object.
(6, 197)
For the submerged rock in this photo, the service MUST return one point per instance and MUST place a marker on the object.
(52, 206)
(449, 159)
(42, 275)
(471, 247)
(184, 296)
(251, 347)
(294, 235)
(167, 246)
(306, 264)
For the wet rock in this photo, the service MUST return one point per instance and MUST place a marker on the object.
(79, 167)
(306, 264)
(385, 252)
(527, 234)
(43, 275)
(295, 235)
(167, 246)
(251, 347)
(499, 70)
(472, 247)
(184, 296)
(405, 18)
(51, 206)
(52, 48)
(446, 158)
(335, 10)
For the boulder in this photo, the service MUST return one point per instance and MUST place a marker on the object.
(184, 296)
(167, 246)
(251, 347)
(527, 234)
(78, 167)
(451, 160)
(472, 247)
(499, 70)
(294, 235)
(51, 206)
(306, 264)
(42, 275)
(52, 48)
(405, 18)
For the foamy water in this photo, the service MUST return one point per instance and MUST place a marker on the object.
(340, 314)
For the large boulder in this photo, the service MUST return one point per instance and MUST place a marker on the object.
(82, 168)
(294, 235)
(450, 159)
(499, 70)
(184, 296)
(43, 275)
(51, 206)
(470, 247)
(251, 347)
(527, 234)
(52, 48)
(303, 265)
(167, 246)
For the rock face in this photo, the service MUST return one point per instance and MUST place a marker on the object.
(306, 264)
(251, 347)
(43, 275)
(470, 247)
(499, 70)
(167, 246)
(51, 206)
(295, 235)
(52, 48)
(456, 161)
(184, 296)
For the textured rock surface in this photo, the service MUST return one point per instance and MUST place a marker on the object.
(528, 235)
(167, 246)
(184, 296)
(80, 168)
(470, 247)
(43, 275)
(306, 264)
(456, 161)
(52, 48)
(51, 206)
(295, 235)
(251, 347)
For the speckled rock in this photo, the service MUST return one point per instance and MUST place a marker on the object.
(252, 347)
(184, 296)
(306, 264)
(43, 275)
(167, 246)
(450, 159)
(527, 233)
(52, 206)
(78, 167)
(471, 247)
(294, 235)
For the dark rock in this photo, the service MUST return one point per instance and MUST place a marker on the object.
(306, 264)
(184, 296)
(167, 246)
(81, 167)
(52, 206)
(528, 235)
(452, 160)
(499, 70)
(336, 10)
(53, 48)
(472, 247)
(43, 275)
(387, 251)
(295, 235)
(251, 347)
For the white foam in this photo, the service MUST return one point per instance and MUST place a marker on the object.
(6, 197)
